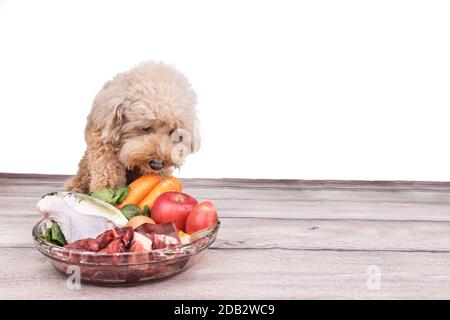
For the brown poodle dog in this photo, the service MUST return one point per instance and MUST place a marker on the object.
(142, 121)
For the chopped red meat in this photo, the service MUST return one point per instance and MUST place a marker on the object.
(161, 241)
(126, 234)
(140, 243)
(145, 238)
(88, 244)
(116, 246)
(167, 229)
(162, 235)
(105, 238)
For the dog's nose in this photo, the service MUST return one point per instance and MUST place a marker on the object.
(155, 165)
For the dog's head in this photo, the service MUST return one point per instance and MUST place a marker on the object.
(149, 114)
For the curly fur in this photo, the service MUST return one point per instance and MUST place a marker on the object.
(151, 95)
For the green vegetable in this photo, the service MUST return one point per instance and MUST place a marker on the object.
(54, 235)
(146, 211)
(131, 210)
(121, 194)
(111, 196)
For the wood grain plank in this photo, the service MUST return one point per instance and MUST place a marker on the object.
(338, 235)
(244, 274)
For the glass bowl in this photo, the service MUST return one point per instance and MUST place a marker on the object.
(122, 268)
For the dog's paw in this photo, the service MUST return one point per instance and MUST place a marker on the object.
(107, 182)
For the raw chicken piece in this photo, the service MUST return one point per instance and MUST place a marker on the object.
(80, 216)
(91, 206)
(74, 225)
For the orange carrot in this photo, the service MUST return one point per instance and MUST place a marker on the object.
(167, 184)
(139, 188)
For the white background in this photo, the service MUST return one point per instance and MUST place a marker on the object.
(287, 89)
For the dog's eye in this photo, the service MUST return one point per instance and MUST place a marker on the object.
(174, 138)
(147, 129)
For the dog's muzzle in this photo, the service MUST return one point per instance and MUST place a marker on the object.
(155, 165)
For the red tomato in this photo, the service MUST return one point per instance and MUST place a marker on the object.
(174, 207)
(203, 216)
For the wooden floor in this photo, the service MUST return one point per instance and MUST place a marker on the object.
(278, 240)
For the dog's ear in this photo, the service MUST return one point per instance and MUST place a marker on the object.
(108, 113)
(113, 124)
